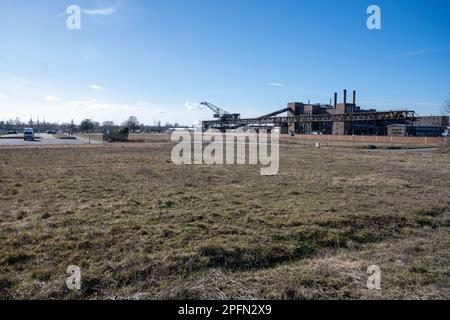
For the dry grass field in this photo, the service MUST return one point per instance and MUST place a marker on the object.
(141, 227)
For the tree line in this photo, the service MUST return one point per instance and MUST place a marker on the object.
(87, 125)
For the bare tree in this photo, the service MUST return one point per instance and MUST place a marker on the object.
(132, 123)
(446, 107)
(87, 125)
(108, 124)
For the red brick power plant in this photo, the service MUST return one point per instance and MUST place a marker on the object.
(337, 119)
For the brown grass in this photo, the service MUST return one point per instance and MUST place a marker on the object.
(140, 227)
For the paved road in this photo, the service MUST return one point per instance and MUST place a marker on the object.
(417, 150)
(43, 139)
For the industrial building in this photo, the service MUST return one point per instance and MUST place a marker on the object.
(438, 121)
(424, 126)
(405, 130)
(343, 118)
(335, 128)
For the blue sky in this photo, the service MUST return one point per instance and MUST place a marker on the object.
(149, 58)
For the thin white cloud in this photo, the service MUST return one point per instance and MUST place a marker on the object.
(96, 87)
(193, 106)
(50, 99)
(3, 96)
(276, 84)
(81, 103)
(28, 83)
(100, 11)
(92, 104)
(421, 52)
(143, 103)
(94, 12)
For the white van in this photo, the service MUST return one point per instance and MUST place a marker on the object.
(446, 133)
(28, 134)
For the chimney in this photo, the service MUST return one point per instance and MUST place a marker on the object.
(354, 97)
(345, 96)
(335, 99)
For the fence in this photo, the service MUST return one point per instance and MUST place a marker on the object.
(371, 139)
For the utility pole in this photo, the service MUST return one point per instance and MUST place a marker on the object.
(71, 128)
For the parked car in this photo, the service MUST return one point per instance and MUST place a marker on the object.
(51, 131)
(12, 132)
(28, 134)
(446, 133)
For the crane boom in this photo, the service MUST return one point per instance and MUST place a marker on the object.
(219, 112)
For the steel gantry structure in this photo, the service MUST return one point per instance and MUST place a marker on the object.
(233, 123)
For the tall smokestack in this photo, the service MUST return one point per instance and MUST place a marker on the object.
(354, 97)
(335, 99)
(345, 96)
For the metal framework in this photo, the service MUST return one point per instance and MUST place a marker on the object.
(274, 113)
(400, 115)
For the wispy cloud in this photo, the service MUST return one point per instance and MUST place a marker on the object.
(193, 106)
(81, 103)
(3, 96)
(421, 52)
(96, 87)
(100, 12)
(51, 99)
(143, 103)
(93, 104)
(275, 84)
(95, 12)
(26, 82)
